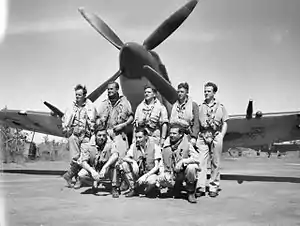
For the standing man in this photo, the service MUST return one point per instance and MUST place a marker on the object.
(213, 126)
(99, 161)
(152, 115)
(78, 125)
(186, 113)
(180, 163)
(115, 114)
(141, 163)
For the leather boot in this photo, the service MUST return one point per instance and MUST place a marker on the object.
(192, 197)
(68, 178)
(73, 171)
(115, 192)
(191, 190)
(78, 184)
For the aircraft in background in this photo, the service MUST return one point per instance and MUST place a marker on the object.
(140, 65)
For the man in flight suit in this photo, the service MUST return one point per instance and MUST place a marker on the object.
(180, 162)
(78, 125)
(99, 161)
(141, 163)
(213, 126)
(186, 112)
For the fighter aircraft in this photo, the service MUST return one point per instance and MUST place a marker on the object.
(140, 65)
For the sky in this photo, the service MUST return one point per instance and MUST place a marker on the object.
(249, 48)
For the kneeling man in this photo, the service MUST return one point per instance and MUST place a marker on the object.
(141, 163)
(180, 162)
(99, 162)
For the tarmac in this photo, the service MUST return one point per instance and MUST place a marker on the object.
(254, 191)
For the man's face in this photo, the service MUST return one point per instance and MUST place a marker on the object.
(111, 90)
(79, 95)
(149, 94)
(174, 135)
(209, 92)
(182, 93)
(101, 137)
(140, 139)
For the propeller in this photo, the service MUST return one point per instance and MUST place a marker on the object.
(54, 109)
(169, 25)
(100, 26)
(249, 110)
(164, 87)
(101, 89)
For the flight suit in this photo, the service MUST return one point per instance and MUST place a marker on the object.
(111, 116)
(143, 161)
(152, 117)
(171, 155)
(96, 157)
(210, 143)
(187, 115)
(78, 125)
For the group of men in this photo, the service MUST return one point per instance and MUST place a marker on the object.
(168, 152)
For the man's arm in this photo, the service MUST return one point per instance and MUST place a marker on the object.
(224, 129)
(196, 123)
(164, 122)
(194, 156)
(154, 169)
(129, 155)
(224, 119)
(85, 165)
(112, 160)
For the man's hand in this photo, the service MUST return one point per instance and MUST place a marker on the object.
(178, 166)
(142, 179)
(193, 141)
(119, 127)
(103, 172)
(95, 175)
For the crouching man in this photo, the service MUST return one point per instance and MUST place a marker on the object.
(99, 162)
(180, 162)
(141, 163)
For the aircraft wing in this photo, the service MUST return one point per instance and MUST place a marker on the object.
(262, 130)
(42, 122)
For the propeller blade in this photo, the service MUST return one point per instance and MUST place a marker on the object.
(249, 110)
(100, 26)
(169, 25)
(54, 109)
(163, 86)
(101, 89)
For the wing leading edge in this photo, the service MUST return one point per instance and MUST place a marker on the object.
(41, 122)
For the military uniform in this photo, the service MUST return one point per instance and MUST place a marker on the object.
(187, 115)
(96, 157)
(78, 125)
(171, 155)
(143, 161)
(152, 117)
(210, 142)
(112, 115)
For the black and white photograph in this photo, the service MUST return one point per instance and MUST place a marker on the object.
(138, 112)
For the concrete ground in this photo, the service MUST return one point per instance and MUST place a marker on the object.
(255, 191)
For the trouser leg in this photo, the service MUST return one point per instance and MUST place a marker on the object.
(215, 163)
(74, 147)
(190, 175)
(129, 175)
(202, 174)
(122, 145)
